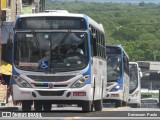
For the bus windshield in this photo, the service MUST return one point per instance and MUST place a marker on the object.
(133, 77)
(114, 67)
(51, 51)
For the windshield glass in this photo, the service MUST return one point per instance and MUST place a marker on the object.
(133, 71)
(114, 67)
(51, 51)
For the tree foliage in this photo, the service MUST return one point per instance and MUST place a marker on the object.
(136, 27)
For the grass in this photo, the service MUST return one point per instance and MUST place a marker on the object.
(26, 10)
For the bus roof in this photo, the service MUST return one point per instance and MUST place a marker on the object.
(119, 46)
(58, 14)
(133, 63)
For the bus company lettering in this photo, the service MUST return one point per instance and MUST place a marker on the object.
(151, 114)
(142, 114)
(19, 115)
(25, 92)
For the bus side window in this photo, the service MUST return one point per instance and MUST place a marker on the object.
(93, 44)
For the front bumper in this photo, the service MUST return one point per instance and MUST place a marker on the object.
(83, 93)
(118, 95)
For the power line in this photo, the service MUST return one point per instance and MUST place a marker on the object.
(60, 5)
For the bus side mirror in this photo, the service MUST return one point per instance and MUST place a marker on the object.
(140, 74)
(93, 42)
(124, 59)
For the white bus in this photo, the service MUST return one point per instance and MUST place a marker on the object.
(117, 76)
(45, 73)
(150, 103)
(135, 85)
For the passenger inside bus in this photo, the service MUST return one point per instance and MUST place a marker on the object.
(74, 43)
(115, 64)
(74, 48)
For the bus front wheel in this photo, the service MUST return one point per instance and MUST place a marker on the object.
(87, 106)
(98, 105)
(47, 106)
(38, 105)
(118, 103)
(26, 105)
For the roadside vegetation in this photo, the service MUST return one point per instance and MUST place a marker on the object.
(136, 27)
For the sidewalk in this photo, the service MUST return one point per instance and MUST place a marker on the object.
(9, 106)
(5, 108)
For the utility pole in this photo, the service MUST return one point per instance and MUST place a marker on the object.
(42, 6)
(16, 7)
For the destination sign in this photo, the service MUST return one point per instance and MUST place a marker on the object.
(113, 50)
(51, 23)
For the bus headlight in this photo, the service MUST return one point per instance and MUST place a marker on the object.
(80, 83)
(21, 82)
(115, 88)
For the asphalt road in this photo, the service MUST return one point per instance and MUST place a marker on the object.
(70, 112)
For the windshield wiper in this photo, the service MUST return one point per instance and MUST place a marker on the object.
(59, 46)
(37, 43)
(64, 38)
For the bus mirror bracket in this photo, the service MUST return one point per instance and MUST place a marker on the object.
(9, 43)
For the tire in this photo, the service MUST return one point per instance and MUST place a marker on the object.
(87, 106)
(26, 105)
(118, 103)
(124, 103)
(135, 105)
(139, 106)
(38, 105)
(47, 106)
(98, 105)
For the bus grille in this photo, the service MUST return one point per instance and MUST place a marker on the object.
(51, 93)
(47, 85)
(50, 78)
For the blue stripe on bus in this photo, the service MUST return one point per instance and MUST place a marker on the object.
(14, 73)
(88, 72)
(120, 82)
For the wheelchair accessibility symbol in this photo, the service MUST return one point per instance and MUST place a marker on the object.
(44, 64)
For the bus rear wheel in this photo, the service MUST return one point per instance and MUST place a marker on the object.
(38, 105)
(98, 104)
(26, 105)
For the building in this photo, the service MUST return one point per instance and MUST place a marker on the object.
(8, 12)
(9, 9)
